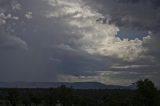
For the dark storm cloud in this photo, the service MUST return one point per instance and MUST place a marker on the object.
(135, 14)
(151, 24)
(148, 16)
(50, 51)
(140, 15)
(74, 62)
(46, 55)
(154, 3)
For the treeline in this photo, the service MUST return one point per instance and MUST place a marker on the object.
(145, 95)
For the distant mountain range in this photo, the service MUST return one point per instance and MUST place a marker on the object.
(75, 85)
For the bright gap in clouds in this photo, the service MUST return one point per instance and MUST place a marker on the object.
(131, 34)
(92, 36)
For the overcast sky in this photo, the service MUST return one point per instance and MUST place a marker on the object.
(108, 41)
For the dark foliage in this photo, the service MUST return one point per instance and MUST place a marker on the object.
(145, 95)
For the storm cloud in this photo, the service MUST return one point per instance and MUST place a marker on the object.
(62, 40)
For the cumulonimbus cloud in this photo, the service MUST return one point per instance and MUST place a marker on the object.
(73, 40)
(95, 37)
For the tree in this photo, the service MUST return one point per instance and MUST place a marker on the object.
(13, 97)
(36, 97)
(147, 94)
(50, 97)
(65, 95)
(25, 100)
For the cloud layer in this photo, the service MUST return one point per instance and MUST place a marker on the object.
(68, 40)
(95, 37)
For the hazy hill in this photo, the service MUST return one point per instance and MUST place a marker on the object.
(75, 85)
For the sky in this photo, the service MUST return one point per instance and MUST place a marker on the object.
(108, 41)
